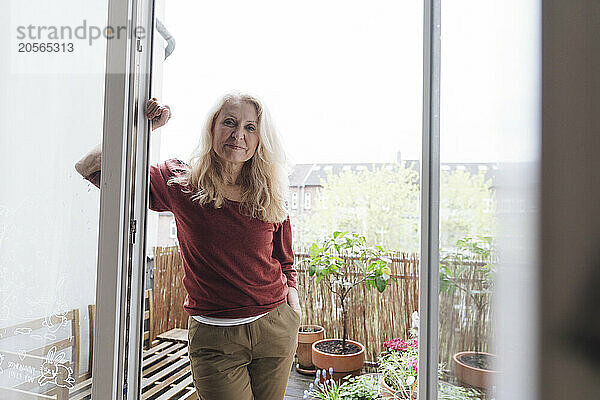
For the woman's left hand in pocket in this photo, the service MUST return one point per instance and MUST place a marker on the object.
(293, 301)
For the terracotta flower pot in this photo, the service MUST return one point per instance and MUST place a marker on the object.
(387, 392)
(473, 376)
(304, 349)
(343, 364)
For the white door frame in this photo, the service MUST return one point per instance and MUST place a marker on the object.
(430, 202)
(121, 250)
(140, 90)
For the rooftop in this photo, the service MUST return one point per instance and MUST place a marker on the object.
(312, 174)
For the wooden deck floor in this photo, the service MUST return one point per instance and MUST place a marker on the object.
(297, 384)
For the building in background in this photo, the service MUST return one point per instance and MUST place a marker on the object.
(307, 179)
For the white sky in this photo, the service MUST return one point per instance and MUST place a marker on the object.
(343, 80)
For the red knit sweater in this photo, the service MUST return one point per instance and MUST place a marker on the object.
(235, 266)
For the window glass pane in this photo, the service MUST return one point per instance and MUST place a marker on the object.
(307, 201)
(51, 115)
(343, 83)
(489, 82)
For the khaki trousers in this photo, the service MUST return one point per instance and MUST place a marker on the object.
(244, 362)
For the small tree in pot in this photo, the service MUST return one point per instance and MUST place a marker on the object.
(345, 261)
(472, 367)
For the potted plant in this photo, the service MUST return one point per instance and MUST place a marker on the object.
(344, 261)
(367, 387)
(363, 387)
(307, 335)
(473, 367)
(398, 366)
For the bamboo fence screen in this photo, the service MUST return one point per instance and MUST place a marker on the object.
(168, 292)
(373, 317)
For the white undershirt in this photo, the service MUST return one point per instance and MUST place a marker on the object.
(226, 321)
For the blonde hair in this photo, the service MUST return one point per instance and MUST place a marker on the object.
(264, 177)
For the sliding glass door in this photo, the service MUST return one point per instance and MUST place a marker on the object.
(72, 76)
(51, 115)
(479, 205)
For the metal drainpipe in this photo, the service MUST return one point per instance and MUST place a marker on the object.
(167, 37)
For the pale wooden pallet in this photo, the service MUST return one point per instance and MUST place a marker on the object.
(166, 374)
(34, 359)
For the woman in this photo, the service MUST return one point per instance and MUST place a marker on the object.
(235, 240)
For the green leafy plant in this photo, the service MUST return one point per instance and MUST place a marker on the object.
(367, 387)
(330, 390)
(477, 283)
(363, 387)
(338, 258)
(326, 389)
(451, 392)
(400, 370)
